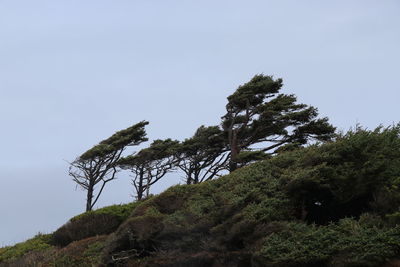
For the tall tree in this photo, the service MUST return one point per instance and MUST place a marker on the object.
(151, 164)
(98, 164)
(258, 114)
(204, 155)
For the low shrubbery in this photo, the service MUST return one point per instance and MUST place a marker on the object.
(288, 210)
(335, 204)
(38, 243)
(99, 222)
(348, 243)
(84, 252)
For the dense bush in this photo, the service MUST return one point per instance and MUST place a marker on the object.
(92, 223)
(348, 243)
(358, 173)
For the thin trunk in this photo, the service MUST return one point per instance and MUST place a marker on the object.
(148, 187)
(89, 197)
(140, 188)
(189, 176)
(140, 193)
(233, 165)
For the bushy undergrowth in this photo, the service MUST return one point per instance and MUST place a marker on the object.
(347, 243)
(37, 243)
(290, 209)
(333, 204)
(80, 253)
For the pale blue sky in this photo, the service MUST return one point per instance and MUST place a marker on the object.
(74, 72)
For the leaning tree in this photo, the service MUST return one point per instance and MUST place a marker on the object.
(98, 164)
(257, 114)
(151, 164)
(204, 155)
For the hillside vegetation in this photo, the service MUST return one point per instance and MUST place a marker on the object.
(332, 204)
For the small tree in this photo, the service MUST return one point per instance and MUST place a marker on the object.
(257, 113)
(151, 164)
(98, 164)
(204, 155)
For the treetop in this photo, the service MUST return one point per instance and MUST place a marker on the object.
(131, 136)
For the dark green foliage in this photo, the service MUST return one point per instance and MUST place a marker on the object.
(357, 173)
(257, 113)
(158, 150)
(92, 223)
(131, 136)
(348, 243)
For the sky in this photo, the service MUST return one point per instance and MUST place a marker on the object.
(74, 72)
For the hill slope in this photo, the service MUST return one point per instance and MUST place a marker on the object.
(335, 204)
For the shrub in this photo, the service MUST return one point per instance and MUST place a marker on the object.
(80, 253)
(122, 212)
(348, 243)
(37, 243)
(99, 222)
(90, 225)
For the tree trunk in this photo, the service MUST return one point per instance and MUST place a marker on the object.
(189, 179)
(148, 187)
(140, 188)
(89, 197)
(140, 193)
(233, 165)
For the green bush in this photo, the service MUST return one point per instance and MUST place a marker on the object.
(37, 243)
(348, 243)
(359, 172)
(122, 211)
(98, 222)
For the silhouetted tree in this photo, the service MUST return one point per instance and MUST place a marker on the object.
(98, 164)
(151, 164)
(257, 113)
(204, 155)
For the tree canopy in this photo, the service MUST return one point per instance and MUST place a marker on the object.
(257, 113)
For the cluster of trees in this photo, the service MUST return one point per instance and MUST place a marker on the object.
(259, 121)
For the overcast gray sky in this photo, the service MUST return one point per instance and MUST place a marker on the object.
(74, 72)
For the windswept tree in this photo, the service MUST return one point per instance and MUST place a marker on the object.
(150, 164)
(98, 164)
(204, 155)
(257, 114)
